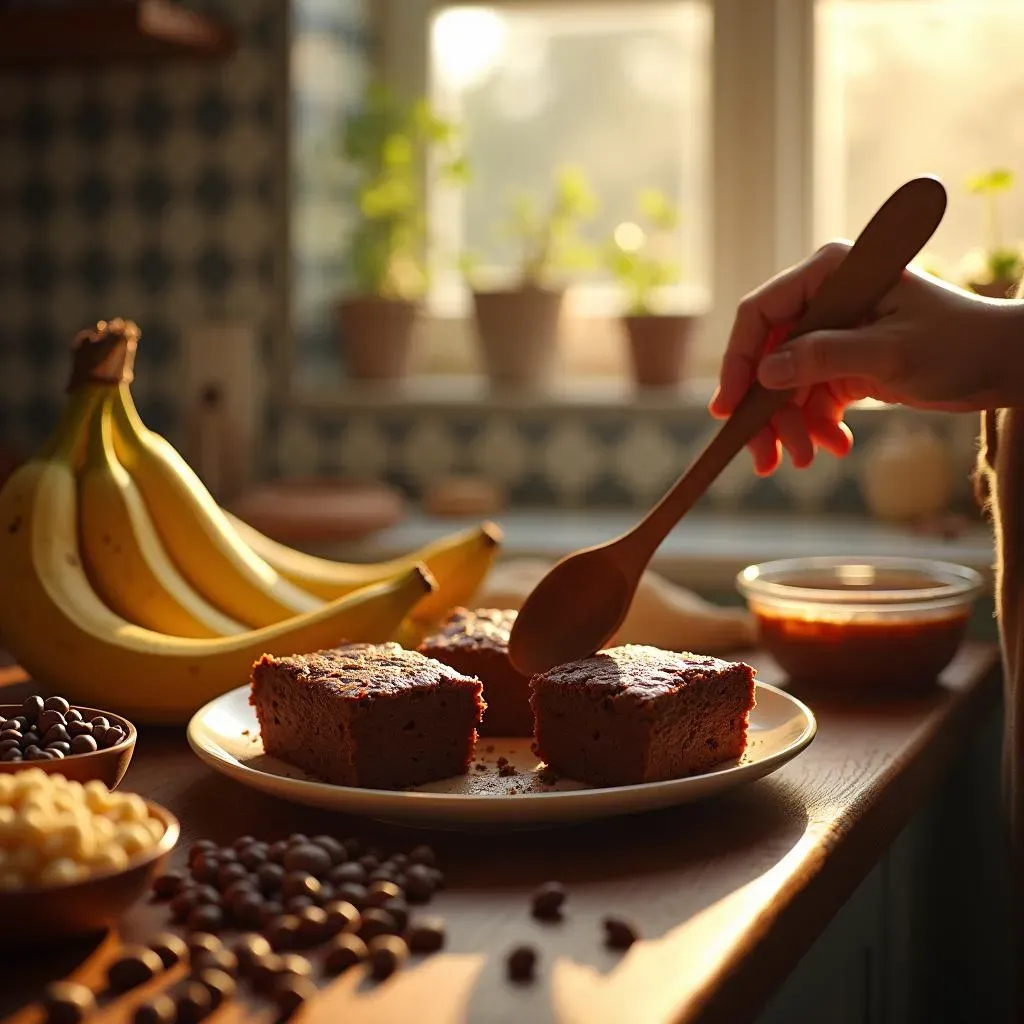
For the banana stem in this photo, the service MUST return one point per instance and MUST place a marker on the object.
(64, 444)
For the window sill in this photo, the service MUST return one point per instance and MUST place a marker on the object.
(705, 552)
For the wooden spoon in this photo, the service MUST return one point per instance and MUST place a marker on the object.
(582, 601)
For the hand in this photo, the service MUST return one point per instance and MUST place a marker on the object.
(928, 344)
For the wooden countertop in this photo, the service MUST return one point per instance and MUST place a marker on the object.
(728, 894)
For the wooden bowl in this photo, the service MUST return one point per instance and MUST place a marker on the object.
(107, 765)
(50, 914)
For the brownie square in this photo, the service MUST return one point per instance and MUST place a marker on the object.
(639, 714)
(369, 715)
(476, 643)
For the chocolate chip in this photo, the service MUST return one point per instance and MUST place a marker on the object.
(217, 960)
(99, 734)
(241, 842)
(202, 846)
(248, 949)
(369, 862)
(264, 971)
(312, 926)
(207, 917)
(253, 856)
(290, 994)
(299, 883)
(271, 910)
(133, 968)
(547, 901)
(55, 753)
(351, 893)
(158, 1010)
(30, 738)
(269, 877)
(380, 892)
(114, 735)
(400, 861)
(353, 847)
(419, 883)
(231, 873)
(33, 753)
(31, 707)
(246, 910)
(60, 747)
(171, 948)
(202, 943)
(168, 885)
(11, 755)
(183, 904)
(332, 847)
(423, 855)
(238, 888)
(58, 704)
(295, 965)
(385, 873)
(282, 932)
(205, 867)
(352, 871)
(10, 736)
(79, 729)
(277, 851)
(206, 894)
(19, 721)
(341, 917)
(399, 911)
(344, 951)
(619, 933)
(298, 903)
(100, 722)
(426, 935)
(218, 983)
(226, 855)
(374, 922)
(67, 1002)
(306, 857)
(6, 745)
(386, 954)
(324, 896)
(194, 1003)
(48, 719)
(73, 715)
(521, 963)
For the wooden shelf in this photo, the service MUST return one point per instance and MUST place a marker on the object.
(112, 32)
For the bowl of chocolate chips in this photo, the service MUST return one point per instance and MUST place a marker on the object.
(79, 743)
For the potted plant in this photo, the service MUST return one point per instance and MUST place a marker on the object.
(517, 327)
(639, 260)
(387, 143)
(993, 271)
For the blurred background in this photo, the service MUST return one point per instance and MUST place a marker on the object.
(456, 259)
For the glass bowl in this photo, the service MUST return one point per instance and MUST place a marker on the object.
(882, 622)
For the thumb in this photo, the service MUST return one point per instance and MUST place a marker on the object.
(823, 356)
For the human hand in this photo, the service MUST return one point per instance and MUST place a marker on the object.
(928, 344)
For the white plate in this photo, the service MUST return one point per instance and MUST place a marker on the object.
(225, 735)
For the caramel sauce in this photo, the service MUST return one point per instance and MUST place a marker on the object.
(883, 652)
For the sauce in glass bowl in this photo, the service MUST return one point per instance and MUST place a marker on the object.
(875, 623)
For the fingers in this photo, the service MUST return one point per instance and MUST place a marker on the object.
(792, 432)
(824, 356)
(781, 299)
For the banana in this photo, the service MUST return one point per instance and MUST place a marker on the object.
(195, 532)
(459, 563)
(54, 624)
(121, 552)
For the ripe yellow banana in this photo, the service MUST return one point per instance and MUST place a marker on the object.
(53, 623)
(121, 551)
(195, 532)
(459, 562)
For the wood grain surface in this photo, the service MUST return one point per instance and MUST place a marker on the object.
(727, 895)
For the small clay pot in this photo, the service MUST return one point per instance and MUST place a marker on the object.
(376, 336)
(658, 347)
(517, 331)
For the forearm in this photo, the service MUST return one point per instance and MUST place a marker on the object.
(1001, 348)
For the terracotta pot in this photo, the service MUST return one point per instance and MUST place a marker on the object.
(376, 336)
(518, 333)
(1004, 288)
(658, 348)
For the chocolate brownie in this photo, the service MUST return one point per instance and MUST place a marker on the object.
(639, 714)
(369, 715)
(476, 643)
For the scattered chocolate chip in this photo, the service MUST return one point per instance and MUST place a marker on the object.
(419, 883)
(201, 943)
(312, 926)
(202, 846)
(369, 862)
(548, 900)
(521, 963)
(299, 883)
(295, 965)
(290, 994)
(207, 917)
(248, 949)
(246, 910)
(271, 909)
(30, 738)
(158, 1010)
(205, 867)
(386, 954)
(73, 715)
(399, 911)
(194, 1003)
(218, 983)
(206, 894)
(67, 1002)
(168, 885)
(297, 904)
(324, 896)
(171, 948)
(282, 932)
(183, 904)
(332, 847)
(254, 856)
(243, 841)
(229, 873)
(352, 871)
(134, 967)
(58, 704)
(11, 755)
(426, 934)
(265, 969)
(341, 917)
(344, 951)
(48, 719)
(375, 922)
(226, 855)
(297, 839)
(306, 857)
(218, 960)
(270, 876)
(55, 752)
(380, 892)
(31, 707)
(352, 893)
(60, 747)
(114, 735)
(76, 729)
(100, 721)
(619, 933)
(276, 851)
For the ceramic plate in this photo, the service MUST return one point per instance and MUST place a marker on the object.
(226, 736)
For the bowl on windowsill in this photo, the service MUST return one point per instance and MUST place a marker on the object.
(861, 624)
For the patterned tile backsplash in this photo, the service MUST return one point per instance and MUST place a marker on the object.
(197, 194)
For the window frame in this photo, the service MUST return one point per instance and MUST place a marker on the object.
(762, 136)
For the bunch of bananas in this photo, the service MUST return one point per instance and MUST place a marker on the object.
(127, 587)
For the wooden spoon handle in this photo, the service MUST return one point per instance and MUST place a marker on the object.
(891, 239)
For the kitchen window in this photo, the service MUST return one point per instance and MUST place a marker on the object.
(773, 124)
